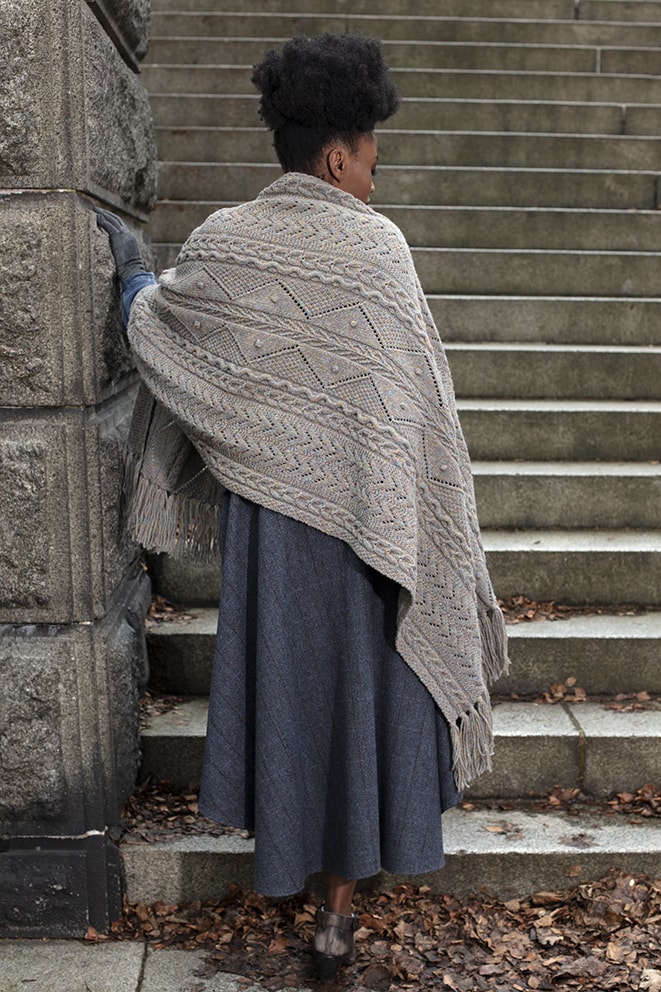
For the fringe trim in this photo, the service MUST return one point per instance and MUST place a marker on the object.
(472, 742)
(160, 521)
(472, 733)
(493, 632)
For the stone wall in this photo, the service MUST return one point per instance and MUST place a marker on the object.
(76, 130)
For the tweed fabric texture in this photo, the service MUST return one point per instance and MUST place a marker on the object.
(293, 345)
(320, 737)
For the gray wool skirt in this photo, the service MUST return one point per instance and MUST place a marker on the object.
(320, 738)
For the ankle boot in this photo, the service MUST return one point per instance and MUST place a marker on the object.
(333, 942)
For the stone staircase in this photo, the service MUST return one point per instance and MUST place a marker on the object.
(524, 170)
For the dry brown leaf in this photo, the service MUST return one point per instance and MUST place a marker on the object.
(581, 840)
(473, 944)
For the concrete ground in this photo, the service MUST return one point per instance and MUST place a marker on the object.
(74, 966)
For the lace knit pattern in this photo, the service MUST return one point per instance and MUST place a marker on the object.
(293, 345)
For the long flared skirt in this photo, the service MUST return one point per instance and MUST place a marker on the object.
(320, 738)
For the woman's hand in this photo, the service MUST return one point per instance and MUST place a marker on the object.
(123, 244)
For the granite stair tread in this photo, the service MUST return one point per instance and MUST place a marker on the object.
(609, 60)
(474, 227)
(607, 653)
(436, 113)
(452, 185)
(538, 747)
(514, 852)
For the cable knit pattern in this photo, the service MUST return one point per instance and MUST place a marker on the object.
(293, 345)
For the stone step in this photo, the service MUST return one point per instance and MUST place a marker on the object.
(517, 273)
(515, 370)
(535, 271)
(512, 853)
(628, 91)
(555, 320)
(526, 227)
(537, 748)
(561, 430)
(606, 654)
(605, 10)
(579, 567)
(224, 25)
(183, 581)
(431, 113)
(432, 148)
(205, 184)
(428, 55)
(472, 227)
(647, 11)
(568, 495)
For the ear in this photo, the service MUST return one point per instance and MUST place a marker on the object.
(336, 162)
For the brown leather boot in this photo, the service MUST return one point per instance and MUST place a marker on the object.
(333, 942)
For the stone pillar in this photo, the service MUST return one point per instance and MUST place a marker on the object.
(75, 130)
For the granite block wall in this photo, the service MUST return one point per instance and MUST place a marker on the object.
(75, 131)
(73, 112)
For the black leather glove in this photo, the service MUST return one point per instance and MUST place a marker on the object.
(123, 245)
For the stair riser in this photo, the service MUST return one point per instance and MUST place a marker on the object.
(537, 273)
(458, 227)
(443, 115)
(495, 434)
(624, 11)
(542, 764)
(580, 577)
(556, 321)
(454, 227)
(523, 763)
(541, 374)
(185, 582)
(451, 84)
(156, 872)
(492, 30)
(159, 873)
(529, 502)
(411, 185)
(600, 664)
(610, 10)
(524, 58)
(478, 84)
(430, 148)
(517, 274)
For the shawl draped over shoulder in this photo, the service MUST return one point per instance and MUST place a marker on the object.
(291, 358)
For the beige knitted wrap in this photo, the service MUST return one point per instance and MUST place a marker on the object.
(293, 345)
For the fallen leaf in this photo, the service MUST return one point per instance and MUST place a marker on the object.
(579, 840)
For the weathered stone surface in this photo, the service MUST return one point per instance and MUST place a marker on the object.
(122, 654)
(127, 22)
(63, 549)
(183, 581)
(61, 336)
(74, 115)
(69, 711)
(30, 724)
(58, 888)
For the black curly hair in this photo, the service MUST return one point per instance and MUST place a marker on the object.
(321, 89)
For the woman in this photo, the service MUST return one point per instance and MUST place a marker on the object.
(296, 380)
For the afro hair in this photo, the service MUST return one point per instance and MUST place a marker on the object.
(331, 86)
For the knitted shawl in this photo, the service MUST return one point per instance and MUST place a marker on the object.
(290, 357)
